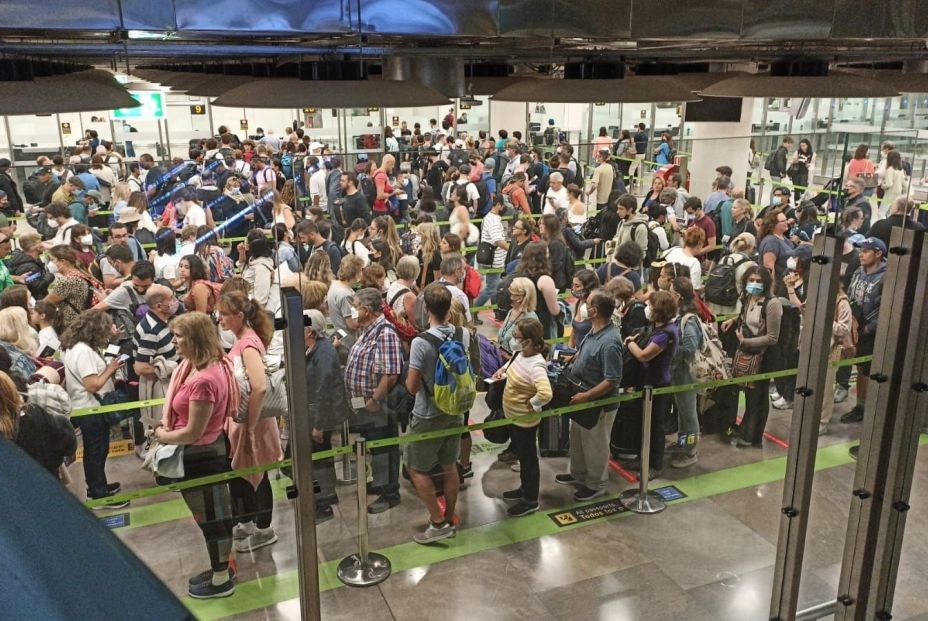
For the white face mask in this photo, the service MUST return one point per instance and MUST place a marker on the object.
(181, 209)
(647, 313)
(791, 263)
(86, 239)
(31, 302)
(354, 313)
(52, 224)
(516, 345)
(52, 267)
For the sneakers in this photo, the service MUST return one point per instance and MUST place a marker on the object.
(585, 493)
(382, 504)
(854, 416)
(742, 443)
(324, 513)
(434, 533)
(507, 457)
(684, 460)
(653, 473)
(119, 504)
(206, 576)
(516, 467)
(141, 450)
(513, 494)
(113, 488)
(840, 394)
(565, 479)
(465, 472)
(207, 590)
(243, 531)
(522, 508)
(260, 538)
(782, 404)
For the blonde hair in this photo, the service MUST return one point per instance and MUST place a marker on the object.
(319, 267)
(121, 191)
(428, 231)
(745, 243)
(202, 338)
(15, 330)
(10, 405)
(314, 294)
(457, 314)
(527, 288)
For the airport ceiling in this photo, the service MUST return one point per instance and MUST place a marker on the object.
(533, 35)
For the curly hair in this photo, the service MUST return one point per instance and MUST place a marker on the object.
(93, 327)
(202, 338)
(319, 268)
(534, 262)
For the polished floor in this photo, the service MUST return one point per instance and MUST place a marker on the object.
(708, 556)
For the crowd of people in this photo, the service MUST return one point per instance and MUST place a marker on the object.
(153, 302)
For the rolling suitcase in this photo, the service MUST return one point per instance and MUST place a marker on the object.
(554, 436)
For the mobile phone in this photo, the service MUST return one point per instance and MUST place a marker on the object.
(112, 350)
(341, 333)
(34, 276)
(124, 357)
(358, 402)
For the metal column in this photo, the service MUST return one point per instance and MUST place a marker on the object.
(814, 347)
(889, 435)
(300, 425)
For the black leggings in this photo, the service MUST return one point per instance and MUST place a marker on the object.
(250, 504)
(210, 504)
(525, 446)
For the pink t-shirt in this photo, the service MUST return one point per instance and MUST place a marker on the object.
(210, 385)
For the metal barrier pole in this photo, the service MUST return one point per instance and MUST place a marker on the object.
(349, 473)
(302, 490)
(641, 500)
(365, 568)
(814, 346)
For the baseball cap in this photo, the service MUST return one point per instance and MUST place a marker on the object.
(315, 146)
(43, 170)
(94, 195)
(872, 243)
(489, 163)
(2, 194)
(316, 321)
(5, 163)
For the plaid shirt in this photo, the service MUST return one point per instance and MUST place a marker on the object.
(376, 353)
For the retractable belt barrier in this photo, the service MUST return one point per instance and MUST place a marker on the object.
(424, 436)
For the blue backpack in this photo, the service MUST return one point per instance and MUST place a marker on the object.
(455, 388)
(286, 165)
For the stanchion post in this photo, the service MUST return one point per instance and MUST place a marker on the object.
(641, 500)
(365, 568)
(348, 477)
(301, 492)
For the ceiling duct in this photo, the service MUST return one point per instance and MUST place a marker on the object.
(290, 93)
(332, 70)
(634, 89)
(908, 81)
(443, 74)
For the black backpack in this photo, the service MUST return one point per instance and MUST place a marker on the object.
(592, 227)
(503, 299)
(654, 245)
(366, 184)
(484, 192)
(333, 186)
(721, 286)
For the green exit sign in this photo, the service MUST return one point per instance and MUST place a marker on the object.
(152, 106)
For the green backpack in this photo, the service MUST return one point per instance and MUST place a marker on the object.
(455, 387)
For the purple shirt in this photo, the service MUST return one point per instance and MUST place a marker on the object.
(657, 370)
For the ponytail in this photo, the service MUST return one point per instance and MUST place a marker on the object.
(253, 311)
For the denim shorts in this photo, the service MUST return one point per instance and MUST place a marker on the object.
(425, 455)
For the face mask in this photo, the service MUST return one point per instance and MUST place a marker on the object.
(173, 306)
(31, 303)
(305, 247)
(578, 293)
(754, 288)
(86, 239)
(791, 263)
(181, 209)
(663, 283)
(775, 201)
(53, 224)
(354, 313)
(647, 312)
(52, 268)
(516, 345)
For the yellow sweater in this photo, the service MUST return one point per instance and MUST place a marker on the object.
(527, 388)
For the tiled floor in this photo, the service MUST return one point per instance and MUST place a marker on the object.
(710, 558)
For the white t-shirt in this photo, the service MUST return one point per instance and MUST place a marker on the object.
(358, 248)
(561, 200)
(166, 266)
(63, 235)
(676, 255)
(48, 338)
(79, 362)
(317, 187)
(196, 215)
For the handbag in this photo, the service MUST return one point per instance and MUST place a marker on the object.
(276, 402)
(495, 389)
(496, 435)
(565, 386)
(745, 363)
(485, 253)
